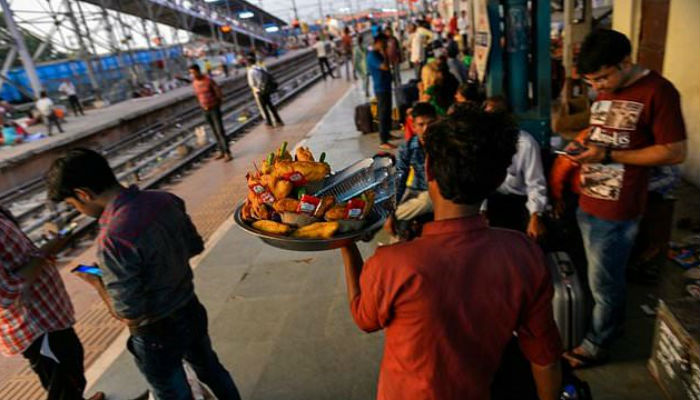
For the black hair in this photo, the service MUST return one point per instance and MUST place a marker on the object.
(195, 67)
(79, 168)
(469, 153)
(423, 109)
(251, 58)
(380, 38)
(602, 48)
(43, 93)
(471, 92)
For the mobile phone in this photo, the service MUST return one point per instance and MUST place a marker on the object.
(576, 150)
(88, 269)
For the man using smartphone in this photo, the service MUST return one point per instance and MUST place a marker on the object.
(36, 314)
(144, 245)
(636, 123)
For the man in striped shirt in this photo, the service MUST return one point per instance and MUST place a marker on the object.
(36, 315)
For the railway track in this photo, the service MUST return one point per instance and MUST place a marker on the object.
(157, 153)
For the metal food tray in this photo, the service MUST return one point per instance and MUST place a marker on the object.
(374, 222)
(357, 178)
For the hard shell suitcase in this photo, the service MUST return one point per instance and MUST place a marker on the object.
(363, 119)
(568, 303)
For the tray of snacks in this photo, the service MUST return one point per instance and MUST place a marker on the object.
(296, 203)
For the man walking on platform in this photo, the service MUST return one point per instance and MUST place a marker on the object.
(323, 48)
(46, 109)
(450, 300)
(144, 245)
(36, 315)
(636, 123)
(209, 95)
(261, 84)
(68, 89)
(378, 67)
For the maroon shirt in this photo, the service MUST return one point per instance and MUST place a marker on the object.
(204, 90)
(645, 113)
(449, 302)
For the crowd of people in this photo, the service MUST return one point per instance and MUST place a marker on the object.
(446, 293)
(451, 293)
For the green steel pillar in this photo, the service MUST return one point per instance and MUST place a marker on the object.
(517, 51)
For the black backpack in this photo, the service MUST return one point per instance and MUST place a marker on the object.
(269, 83)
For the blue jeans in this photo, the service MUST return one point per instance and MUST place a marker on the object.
(608, 245)
(159, 349)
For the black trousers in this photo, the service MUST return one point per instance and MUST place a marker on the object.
(325, 67)
(267, 108)
(64, 380)
(384, 115)
(213, 117)
(75, 104)
(52, 120)
(508, 211)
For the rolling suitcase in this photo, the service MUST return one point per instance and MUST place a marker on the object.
(363, 119)
(568, 303)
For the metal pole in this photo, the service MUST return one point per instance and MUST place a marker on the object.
(517, 51)
(9, 60)
(83, 53)
(24, 55)
(296, 13)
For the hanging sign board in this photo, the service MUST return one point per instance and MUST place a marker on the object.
(482, 38)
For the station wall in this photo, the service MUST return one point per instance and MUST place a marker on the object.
(681, 62)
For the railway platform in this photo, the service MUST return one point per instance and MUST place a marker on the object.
(106, 126)
(279, 320)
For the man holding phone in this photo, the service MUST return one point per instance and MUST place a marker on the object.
(636, 122)
(144, 245)
(36, 314)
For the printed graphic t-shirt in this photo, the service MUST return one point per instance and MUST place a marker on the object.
(645, 113)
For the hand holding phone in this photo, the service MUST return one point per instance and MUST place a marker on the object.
(574, 148)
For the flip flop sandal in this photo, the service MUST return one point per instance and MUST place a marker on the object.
(579, 361)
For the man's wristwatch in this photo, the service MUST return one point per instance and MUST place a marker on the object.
(607, 158)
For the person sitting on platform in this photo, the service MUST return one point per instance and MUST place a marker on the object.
(411, 186)
(450, 300)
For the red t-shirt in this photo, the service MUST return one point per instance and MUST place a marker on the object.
(449, 302)
(645, 113)
(204, 90)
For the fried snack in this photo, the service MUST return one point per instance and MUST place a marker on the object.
(368, 197)
(286, 205)
(326, 203)
(312, 171)
(304, 154)
(246, 212)
(260, 211)
(272, 227)
(282, 189)
(318, 230)
(335, 213)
